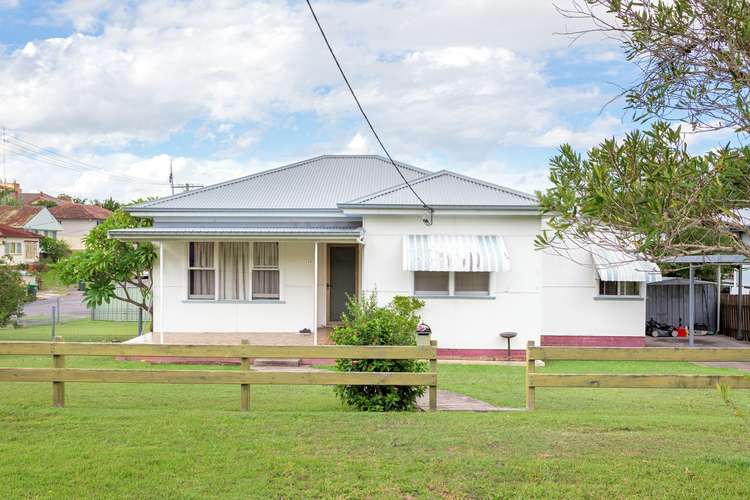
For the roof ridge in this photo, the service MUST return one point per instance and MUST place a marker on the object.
(270, 171)
(228, 183)
(440, 173)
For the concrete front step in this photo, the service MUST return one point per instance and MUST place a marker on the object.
(277, 362)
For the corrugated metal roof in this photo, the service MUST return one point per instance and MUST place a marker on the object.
(73, 211)
(12, 232)
(317, 183)
(454, 252)
(233, 232)
(446, 189)
(19, 216)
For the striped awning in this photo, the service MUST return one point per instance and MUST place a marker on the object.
(615, 265)
(449, 252)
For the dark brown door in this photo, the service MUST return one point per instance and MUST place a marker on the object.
(343, 279)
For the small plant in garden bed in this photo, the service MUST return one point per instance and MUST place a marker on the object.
(367, 323)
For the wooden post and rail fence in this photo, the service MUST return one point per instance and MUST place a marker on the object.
(536, 380)
(245, 377)
(59, 375)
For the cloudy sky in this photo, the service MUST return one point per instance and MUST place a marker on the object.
(228, 87)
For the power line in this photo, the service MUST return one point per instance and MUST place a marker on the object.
(43, 155)
(361, 110)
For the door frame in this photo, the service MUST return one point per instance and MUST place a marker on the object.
(357, 275)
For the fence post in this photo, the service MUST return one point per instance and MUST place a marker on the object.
(433, 369)
(140, 321)
(52, 336)
(245, 388)
(58, 388)
(59, 312)
(530, 368)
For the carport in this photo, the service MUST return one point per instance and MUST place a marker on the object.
(710, 260)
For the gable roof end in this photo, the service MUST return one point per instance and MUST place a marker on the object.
(446, 189)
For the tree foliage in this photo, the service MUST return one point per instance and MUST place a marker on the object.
(107, 264)
(694, 57)
(366, 323)
(647, 194)
(53, 249)
(12, 295)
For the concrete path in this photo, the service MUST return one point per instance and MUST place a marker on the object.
(453, 401)
(71, 307)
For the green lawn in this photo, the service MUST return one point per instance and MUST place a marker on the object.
(148, 441)
(51, 282)
(81, 330)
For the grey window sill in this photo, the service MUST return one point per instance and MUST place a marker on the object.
(470, 297)
(210, 301)
(619, 297)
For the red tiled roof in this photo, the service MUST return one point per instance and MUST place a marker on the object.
(12, 232)
(78, 211)
(31, 198)
(17, 216)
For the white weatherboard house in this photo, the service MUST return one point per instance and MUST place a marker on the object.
(279, 252)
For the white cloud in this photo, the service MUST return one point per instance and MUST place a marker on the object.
(358, 145)
(596, 132)
(8, 4)
(457, 79)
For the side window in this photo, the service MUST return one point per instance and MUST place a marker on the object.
(431, 283)
(201, 271)
(266, 270)
(620, 288)
(472, 284)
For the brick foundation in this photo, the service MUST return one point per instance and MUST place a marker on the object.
(593, 341)
(482, 354)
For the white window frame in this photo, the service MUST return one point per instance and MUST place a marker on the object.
(451, 287)
(17, 248)
(254, 267)
(213, 297)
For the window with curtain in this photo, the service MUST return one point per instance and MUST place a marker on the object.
(201, 270)
(472, 284)
(265, 270)
(234, 266)
(431, 283)
(13, 247)
(620, 288)
(29, 249)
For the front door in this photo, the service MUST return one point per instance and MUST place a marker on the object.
(342, 279)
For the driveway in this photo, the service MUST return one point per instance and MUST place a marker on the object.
(71, 307)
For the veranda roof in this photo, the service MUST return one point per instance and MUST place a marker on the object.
(615, 265)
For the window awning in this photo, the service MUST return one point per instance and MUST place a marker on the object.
(614, 265)
(449, 252)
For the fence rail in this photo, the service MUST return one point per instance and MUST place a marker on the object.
(245, 377)
(600, 380)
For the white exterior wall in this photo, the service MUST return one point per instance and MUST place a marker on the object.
(570, 304)
(543, 294)
(462, 323)
(15, 259)
(43, 222)
(293, 312)
(74, 230)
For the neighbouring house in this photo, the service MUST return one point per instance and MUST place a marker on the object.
(38, 220)
(18, 246)
(28, 199)
(77, 220)
(282, 251)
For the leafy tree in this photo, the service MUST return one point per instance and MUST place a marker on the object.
(366, 323)
(54, 249)
(694, 56)
(45, 203)
(109, 204)
(12, 295)
(107, 264)
(648, 195)
(8, 197)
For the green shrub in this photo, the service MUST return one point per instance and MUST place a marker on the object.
(366, 323)
(53, 249)
(12, 295)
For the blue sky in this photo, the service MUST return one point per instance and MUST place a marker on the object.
(226, 88)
